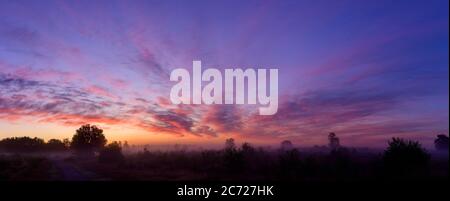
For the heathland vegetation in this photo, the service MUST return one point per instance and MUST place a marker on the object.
(88, 156)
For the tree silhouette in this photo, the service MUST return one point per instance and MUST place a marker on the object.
(112, 153)
(233, 159)
(66, 142)
(441, 143)
(229, 144)
(88, 139)
(247, 148)
(55, 145)
(405, 158)
(333, 141)
(286, 145)
(22, 144)
(125, 145)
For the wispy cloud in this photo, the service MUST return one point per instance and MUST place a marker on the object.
(350, 67)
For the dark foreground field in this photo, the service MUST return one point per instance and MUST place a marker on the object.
(240, 164)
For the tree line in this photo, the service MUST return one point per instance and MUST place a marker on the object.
(30, 145)
(89, 139)
(401, 158)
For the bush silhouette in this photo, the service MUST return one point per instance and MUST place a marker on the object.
(230, 145)
(441, 143)
(405, 159)
(286, 145)
(55, 145)
(232, 158)
(333, 141)
(88, 139)
(112, 153)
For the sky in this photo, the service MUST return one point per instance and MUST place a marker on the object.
(366, 70)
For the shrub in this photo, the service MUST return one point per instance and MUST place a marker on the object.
(112, 153)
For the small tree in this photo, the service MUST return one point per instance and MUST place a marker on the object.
(125, 145)
(247, 148)
(230, 145)
(55, 145)
(112, 153)
(88, 139)
(286, 145)
(66, 142)
(333, 141)
(405, 158)
(441, 143)
(233, 159)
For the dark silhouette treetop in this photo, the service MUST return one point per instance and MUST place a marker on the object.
(441, 143)
(405, 158)
(229, 144)
(286, 145)
(22, 144)
(55, 145)
(247, 148)
(333, 141)
(125, 145)
(112, 153)
(88, 138)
